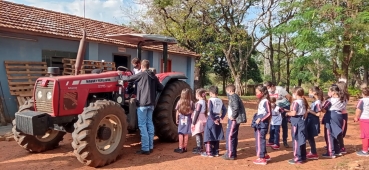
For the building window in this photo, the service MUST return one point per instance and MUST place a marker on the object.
(169, 66)
(54, 58)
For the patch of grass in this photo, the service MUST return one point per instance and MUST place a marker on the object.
(248, 97)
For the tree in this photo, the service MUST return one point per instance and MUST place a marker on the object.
(221, 69)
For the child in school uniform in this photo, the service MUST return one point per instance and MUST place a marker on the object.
(213, 131)
(236, 115)
(184, 112)
(298, 113)
(362, 116)
(275, 124)
(312, 120)
(260, 123)
(199, 120)
(335, 122)
(343, 88)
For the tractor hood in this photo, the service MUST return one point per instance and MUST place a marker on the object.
(85, 78)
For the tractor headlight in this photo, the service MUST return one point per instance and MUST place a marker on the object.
(39, 94)
(120, 82)
(49, 95)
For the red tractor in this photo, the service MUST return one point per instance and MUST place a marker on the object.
(95, 108)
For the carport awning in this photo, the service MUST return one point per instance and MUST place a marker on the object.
(146, 38)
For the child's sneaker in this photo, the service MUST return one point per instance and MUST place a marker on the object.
(361, 153)
(184, 149)
(178, 150)
(292, 162)
(326, 155)
(269, 144)
(312, 156)
(216, 154)
(338, 154)
(343, 151)
(204, 154)
(267, 158)
(197, 151)
(275, 147)
(260, 161)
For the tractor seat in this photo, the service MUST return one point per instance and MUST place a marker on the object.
(122, 68)
(153, 70)
(96, 71)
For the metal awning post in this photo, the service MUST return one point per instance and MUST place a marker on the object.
(165, 56)
(139, 49)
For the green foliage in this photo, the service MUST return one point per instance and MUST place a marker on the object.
(354, 92)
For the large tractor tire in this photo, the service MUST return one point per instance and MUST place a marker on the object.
(165, 113)
(36, 143)
(99, 133)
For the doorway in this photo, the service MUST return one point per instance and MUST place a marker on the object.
(121, 61)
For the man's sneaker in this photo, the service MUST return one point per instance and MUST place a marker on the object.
(361, 153)
(285, 144)
(225, 157)
(267, 158)
(260, 161)
(275, 147)
(326, 155)
(143, 152)
(312, 156)
(151, 150)
(204, 154)
(178, 150)
(292, 162)
(343, 151)
(270, 144)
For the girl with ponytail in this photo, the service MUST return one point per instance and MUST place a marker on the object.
(199, 120)
(298, 113)
(260, 123)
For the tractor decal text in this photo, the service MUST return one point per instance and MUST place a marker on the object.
(102, 80)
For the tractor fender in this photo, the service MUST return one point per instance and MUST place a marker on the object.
(166, 78)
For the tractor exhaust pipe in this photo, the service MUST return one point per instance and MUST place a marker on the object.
(81, 53)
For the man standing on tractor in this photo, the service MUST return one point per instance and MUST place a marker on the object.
(136, 63)
(147, 86)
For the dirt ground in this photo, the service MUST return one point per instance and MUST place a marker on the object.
(14, 157)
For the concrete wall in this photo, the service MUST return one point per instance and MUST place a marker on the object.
(22, 47)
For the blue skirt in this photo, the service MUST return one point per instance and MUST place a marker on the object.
(312, 125)
(213, 132)
(298, 131)
(334, 125)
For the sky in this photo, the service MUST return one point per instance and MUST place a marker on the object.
(111, 11)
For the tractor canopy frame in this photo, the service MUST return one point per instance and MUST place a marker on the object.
(147, 39)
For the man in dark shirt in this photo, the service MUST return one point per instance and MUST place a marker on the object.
(147, 86)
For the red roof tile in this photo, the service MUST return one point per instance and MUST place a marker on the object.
(51, 23)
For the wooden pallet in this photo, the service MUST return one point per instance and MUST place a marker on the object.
(87, 66)
(23, 98)
(22, 75)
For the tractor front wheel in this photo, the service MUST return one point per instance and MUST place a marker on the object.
(165, 113)
(36, 144)
(99, 133)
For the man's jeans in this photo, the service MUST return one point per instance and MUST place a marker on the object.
(146, 126)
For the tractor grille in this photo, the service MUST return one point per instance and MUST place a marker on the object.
(44, 105)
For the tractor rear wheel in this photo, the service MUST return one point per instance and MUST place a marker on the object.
(165, 113)
(99, 133)
(31, 143)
